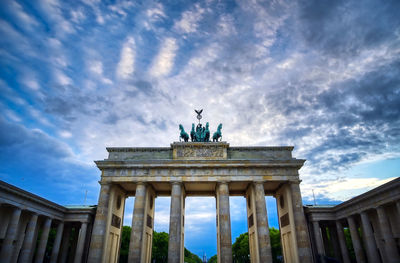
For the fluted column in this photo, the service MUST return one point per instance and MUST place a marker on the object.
(136, 244)
(27, 246)
(97, 243)
(355, 238)
(318, 240)
(264, 242)
(7, 247)
(65, 244)
(43, 241)
(301, 233)
(390, 244)
(57, 243)
(175, 224)
(81, 243)
(342, 242)
(224, 223)
(372, 252)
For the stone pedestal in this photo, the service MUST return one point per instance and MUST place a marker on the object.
(390, 244)
(81, 243)
(370, 246)
(342, 242)
(57, 243)
(264, 242)
(98, 240)
(43, 241)
(7, 247)
(301, 231)
(176, 242)
(142, 225)
(224, 239)
(65, 244)
(355, 238)
(318, 240)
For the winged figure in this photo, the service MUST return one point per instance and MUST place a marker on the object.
(198, 111)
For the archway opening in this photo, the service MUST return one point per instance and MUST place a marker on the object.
(200, 226)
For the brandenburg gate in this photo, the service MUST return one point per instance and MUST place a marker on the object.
(199, 168)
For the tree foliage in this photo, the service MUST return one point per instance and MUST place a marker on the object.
(160, 247)
(213, 259)
(191, 258)
(125, 237)
(240, 249)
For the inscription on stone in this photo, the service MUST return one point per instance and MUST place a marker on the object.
(251, 220)
(149, 221)
(284, 220)
(200, 152)
(116, 221)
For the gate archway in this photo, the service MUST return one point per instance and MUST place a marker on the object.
(205, 169)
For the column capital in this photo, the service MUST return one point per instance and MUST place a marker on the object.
(176, 183)
(105, 183)
(223, 182)
(140, 183)
(258, 182)
(295, 181)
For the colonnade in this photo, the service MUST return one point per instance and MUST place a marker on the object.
(143, 217)
(372, 235)
(27, 233)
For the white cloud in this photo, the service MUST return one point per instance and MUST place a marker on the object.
(22, 16)
(65, 134)
(189, 20)
(61, 78)
(126, 65)
(342, 189)
(164, 61)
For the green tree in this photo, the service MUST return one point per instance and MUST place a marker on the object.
(160, 247)
(213, 259)
(191, 258)
(240, 249)
(276, 247)
(125, 237)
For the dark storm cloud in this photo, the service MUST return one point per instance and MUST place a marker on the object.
(344, 28)
(16, 140)
(70, 103)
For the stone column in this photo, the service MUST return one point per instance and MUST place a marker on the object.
(136, 244)
(81, 243)
(398, 209)
(65, 244)
(368, 235)
(43, 241)
(28, 244)
(175, 224)
(335, 241)
(264, 242)
(355, 238)
(318, 240)
(224, 223)
(100, 224)
(390, 244)
(57, 243)
(301, 231)
(342, 242)
(7, 247)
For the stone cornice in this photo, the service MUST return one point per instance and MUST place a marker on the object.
(138, 149)
(32, 197)
(293, 163)
(381, 195)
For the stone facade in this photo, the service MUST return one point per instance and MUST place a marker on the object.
(23, 215)
(373, 220)
(199, 169)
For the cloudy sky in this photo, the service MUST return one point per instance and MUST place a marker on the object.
(77, 76)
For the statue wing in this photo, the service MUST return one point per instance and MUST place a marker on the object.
(199, 111)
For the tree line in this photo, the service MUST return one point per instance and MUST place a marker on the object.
(240, 248)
